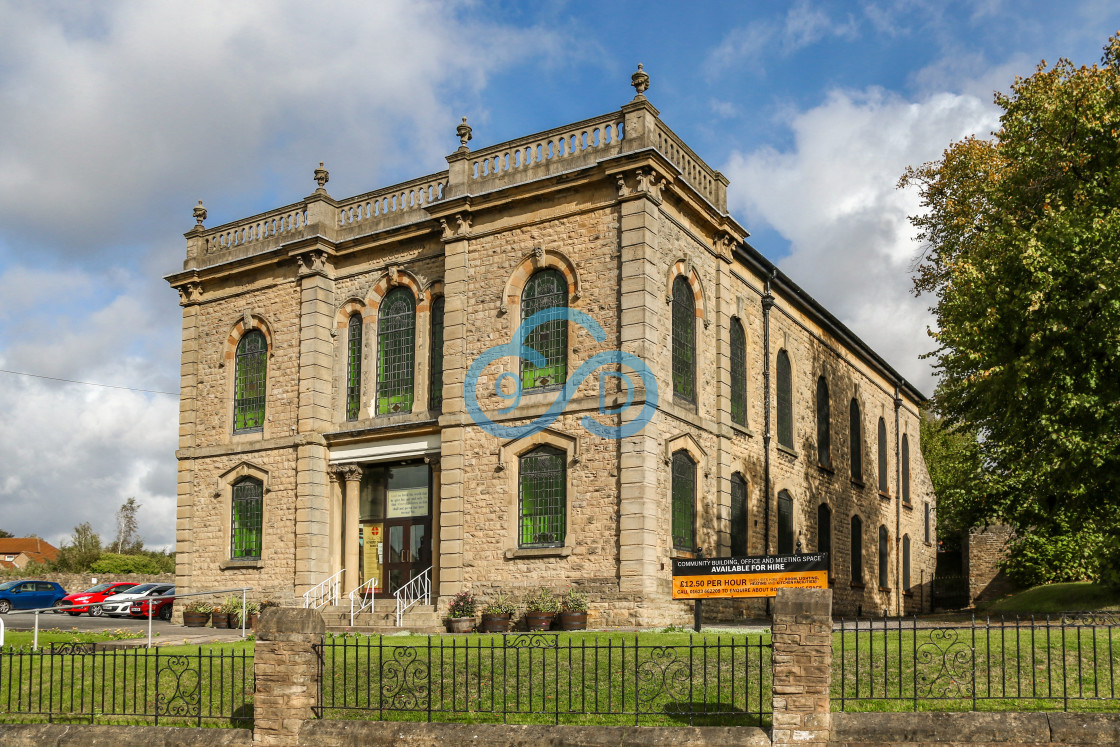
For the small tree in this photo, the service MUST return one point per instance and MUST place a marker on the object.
(82, 551)
(128, 540)
(5, 535)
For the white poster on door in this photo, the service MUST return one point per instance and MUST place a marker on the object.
(407, 502)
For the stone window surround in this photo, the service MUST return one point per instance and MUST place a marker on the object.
(247, 322)
(508, 455)
(224, 495)
(686, 442)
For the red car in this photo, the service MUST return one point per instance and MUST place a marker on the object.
(161, 606)
(90, 599)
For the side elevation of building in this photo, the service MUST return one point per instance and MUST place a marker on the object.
(334, 350)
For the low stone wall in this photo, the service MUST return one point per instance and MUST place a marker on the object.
(354, 733)
(983, 550)
(81, 735)
(946, 729)
(75, 582)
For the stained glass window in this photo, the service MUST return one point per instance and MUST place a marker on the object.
(396, 349)
(435, 378)
(738, 373)
(739, 526)
(250, 379)
(354, 367)
(684, 501)
(824, 533)
(246, 519)
(855, 440)
(857, 550)
(824, 424)
(905, 469)
(547, 289)
(785, 523)
(542, 498)
(906, 562)
(883, 486)
(684, 341)
(785, 400)
(884, 576)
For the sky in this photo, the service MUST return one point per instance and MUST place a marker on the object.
(117, 117)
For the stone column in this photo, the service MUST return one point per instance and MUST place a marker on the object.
(287, 673)
(802, 660)
(190, 295)
(351, 474)
(334, 521)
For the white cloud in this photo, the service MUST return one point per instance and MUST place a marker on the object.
(833, 196)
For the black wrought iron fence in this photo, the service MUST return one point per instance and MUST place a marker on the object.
(80, 683)
(1069, 661)
(540, 678)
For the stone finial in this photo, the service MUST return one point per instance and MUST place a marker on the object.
(640, 81)
(322, 176)
(464, 133)
(199, 214)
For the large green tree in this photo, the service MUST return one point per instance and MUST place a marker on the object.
(1022, 242)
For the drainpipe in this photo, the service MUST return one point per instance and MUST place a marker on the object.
(767, 304)
(897, 502)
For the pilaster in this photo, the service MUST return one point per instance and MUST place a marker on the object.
(802, 665)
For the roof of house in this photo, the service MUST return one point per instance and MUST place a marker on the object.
(38, 550)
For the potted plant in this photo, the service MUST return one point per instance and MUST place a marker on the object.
(232, 607)
(219, 618)
(541, 609)
(573, 610)
(497, 614)
(461, 613)
(253, 610)
(196, 614)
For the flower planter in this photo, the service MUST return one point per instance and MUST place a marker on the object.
(234, 620)
(538, 620)
(573, 621)
(459, 624)
(253, 621)
(196, 619)
(494, 623)
(219, 619)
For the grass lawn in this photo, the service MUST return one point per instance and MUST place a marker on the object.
(23, 639)
(1056, 598)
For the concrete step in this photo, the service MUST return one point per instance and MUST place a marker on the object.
(421, 618)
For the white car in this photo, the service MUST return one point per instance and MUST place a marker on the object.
(119, 604)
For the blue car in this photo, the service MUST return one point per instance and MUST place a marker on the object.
(29, 595)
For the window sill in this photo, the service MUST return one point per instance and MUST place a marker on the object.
(787, 450)
(538, 552)
(858, 585)
(232, 565)
(678, 554)
(857, 483)
(825, 468)
(885, 589)
(908, 594)
(884, 496)
(908, 506)
(742, 430)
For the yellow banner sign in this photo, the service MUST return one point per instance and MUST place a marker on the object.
(713, 578)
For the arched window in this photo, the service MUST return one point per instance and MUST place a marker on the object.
(824, 533)
(246, 519)
(542, 497)
(785, 523)
(906, 562)
(738, 373)
(684, 501)
(928, 533)
(785, 400)
(354, 367)
(857, 551)
(396, 351)
(684, 340)
(250, 379)
(435, 367)
(883, 457)
(547, 289)
(905, 469)
(855, 440)
(884, 576)
(824, 425)
(739, 526)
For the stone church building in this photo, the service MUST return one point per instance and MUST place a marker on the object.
(326, 444)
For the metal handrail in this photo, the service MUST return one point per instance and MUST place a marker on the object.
(359, 595)
(324, 593)
(407, 596)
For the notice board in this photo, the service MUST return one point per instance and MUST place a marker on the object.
(756, 576)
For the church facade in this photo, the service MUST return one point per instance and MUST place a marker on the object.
(349, 417)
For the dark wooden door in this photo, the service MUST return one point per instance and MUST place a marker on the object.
(408, 551)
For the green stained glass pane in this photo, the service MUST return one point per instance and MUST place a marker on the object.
(684, 501)
(785, 400)
(738, 373)
(250, 380)
(738, 516)
(354, 367)
(546, 289)
(246, 521)
(542, 499)
(684, 341)
(435, 379)
(396, 347)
